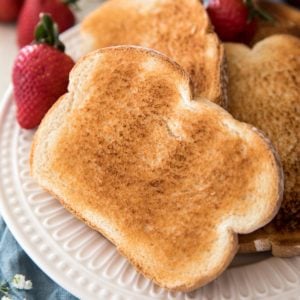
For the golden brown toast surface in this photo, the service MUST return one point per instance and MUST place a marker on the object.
(264, 90)
(167, 179)
(178, 28)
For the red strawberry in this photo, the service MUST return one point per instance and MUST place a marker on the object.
(229, 17)
(29, 17)
(40, 74)
(9, 10)
(234, 20)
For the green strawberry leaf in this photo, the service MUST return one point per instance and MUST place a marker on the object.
(46, 32)
(256, 12)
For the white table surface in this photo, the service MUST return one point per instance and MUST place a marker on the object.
(8, 51)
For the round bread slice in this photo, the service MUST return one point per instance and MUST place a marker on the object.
(169, 180)
(178, 28)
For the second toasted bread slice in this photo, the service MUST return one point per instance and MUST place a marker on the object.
(264, 90)
(178, 28)
(169, 180)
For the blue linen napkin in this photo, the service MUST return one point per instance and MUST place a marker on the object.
(13, 260)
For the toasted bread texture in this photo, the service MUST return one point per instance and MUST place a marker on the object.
(264, 90)
(169, 180)
(178, 28)
(286, 20)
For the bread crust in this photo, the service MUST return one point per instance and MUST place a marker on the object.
(143, 230)
(280, 244)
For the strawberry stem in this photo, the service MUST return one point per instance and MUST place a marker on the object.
(255, 11)
(46, 32)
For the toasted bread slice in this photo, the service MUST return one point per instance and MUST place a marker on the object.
(170, 181)
(283, 243)
(264, 90)
(178, 28)
(286, 20)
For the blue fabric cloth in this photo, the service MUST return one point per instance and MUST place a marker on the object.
(13, 260)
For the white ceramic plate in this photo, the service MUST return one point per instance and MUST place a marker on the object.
(84, 262)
